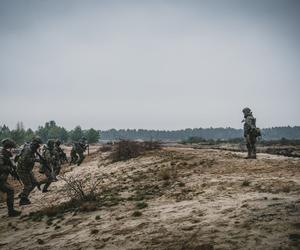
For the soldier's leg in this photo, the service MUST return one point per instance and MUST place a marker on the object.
(47, 185)
(47, 181)
(34, 182)
(74, 157)
(28, 187)
(5, 188)
(81, 158)
(57, 169)
(248, 144)
(41, 169)
(253, 147)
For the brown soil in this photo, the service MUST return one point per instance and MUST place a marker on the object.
(175, 198)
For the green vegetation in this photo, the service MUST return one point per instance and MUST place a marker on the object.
(49, 130)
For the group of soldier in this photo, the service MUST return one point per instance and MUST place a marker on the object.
(50, 158)
(53, 157)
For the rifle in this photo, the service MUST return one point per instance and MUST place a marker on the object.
(64, 157)
(13, 171)
(44, 162)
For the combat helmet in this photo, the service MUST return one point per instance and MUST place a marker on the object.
(8, 143)
(36, 140)
(246, 111)
(50, 143)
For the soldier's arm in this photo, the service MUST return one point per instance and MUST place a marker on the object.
(4, 168)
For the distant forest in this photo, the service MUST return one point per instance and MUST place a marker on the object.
(52, 131)
(274, 133)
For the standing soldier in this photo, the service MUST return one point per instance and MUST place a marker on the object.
(49, 165)
(6, 168)
(250, 133)
(26, 162)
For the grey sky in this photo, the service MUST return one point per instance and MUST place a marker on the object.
(149, 64)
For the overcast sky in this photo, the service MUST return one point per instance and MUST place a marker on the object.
(149, 64)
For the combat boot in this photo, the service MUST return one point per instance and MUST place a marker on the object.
(38, 185)
(254, 153)
(249, 155)
(45, 189)
(24, 201)
(13, 213)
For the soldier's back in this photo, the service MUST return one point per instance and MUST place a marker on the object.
(27, 158)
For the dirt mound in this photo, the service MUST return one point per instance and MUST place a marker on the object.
(174, 198)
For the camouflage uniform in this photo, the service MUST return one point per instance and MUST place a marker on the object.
(77, 153)
(5, 170)
(52, 167)
(250, 133)
(61, 154)
(25, 166)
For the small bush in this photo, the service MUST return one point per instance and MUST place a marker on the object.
(97, 217)
(164, 174)
(181, 184)
(286, 189)
(141, 205)
(137, 214)
(94, 231)
(246, 183)
(40, 241)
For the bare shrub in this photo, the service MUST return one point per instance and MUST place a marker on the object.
(126, 149)
(245, 183)
(81, 189)
(164, 174)
(141, 205)
(137, 214)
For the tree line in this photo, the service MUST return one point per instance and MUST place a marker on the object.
(49, 131)
(274, 133)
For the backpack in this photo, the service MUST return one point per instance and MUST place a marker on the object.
(257, 132)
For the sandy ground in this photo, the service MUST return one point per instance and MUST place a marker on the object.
(175, 198)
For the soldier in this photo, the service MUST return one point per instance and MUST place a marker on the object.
(26, 162)
(6, 168)
(250, 133)
(77, 152)
(62, 155)
(49, 165)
